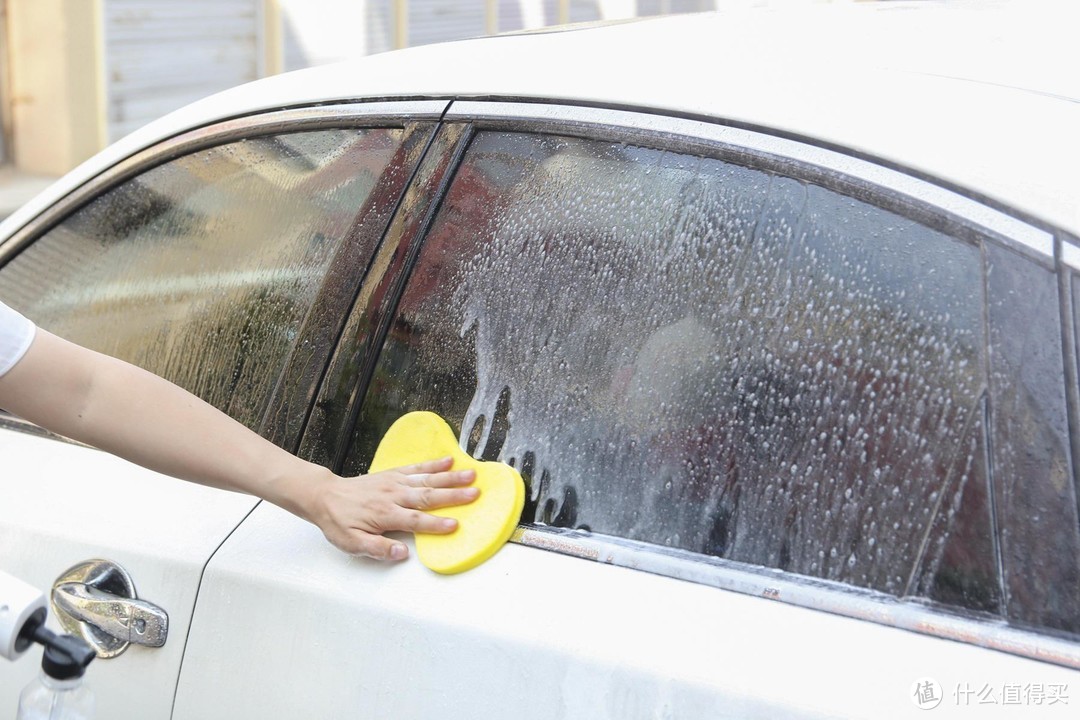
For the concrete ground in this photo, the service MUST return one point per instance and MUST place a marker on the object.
(16, 187)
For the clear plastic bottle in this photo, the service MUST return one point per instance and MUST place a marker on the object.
(58, 692)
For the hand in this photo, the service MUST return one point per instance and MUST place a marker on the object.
(353, 513)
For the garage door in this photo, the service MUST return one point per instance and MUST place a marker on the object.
(162, 55)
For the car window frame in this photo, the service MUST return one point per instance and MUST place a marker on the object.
(941, 208)
(1067, 252)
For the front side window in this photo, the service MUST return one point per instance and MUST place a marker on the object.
(699, 355)
(205, 269)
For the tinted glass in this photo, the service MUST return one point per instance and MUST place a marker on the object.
(703, 356)
(1033, 478)
(204, 269)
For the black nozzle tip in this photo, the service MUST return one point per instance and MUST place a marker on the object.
(29, 631)
(66, 657)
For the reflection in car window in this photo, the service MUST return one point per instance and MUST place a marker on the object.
(703, 356)
(204, 269)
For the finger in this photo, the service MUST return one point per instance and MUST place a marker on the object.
(375, 547)
(431, 499)
(428, 466)
(451, 479)
(419, 522)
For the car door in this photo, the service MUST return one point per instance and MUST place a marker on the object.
(780, 414)
(225, 260)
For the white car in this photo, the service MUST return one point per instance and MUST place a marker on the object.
(775, 310)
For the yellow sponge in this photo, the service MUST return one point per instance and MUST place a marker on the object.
(484, 525)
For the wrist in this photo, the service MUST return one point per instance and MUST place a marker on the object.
(298, 489)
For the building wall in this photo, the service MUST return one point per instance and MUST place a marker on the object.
(359, 28)
(5, 90)
(55, 91)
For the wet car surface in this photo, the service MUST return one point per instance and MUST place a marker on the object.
(781, 390)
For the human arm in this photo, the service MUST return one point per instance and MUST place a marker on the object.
(120, 408)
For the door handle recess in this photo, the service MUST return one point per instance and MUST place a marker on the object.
(96, 601)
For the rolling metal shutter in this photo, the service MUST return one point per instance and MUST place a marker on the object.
(433, 21)
(161, 55)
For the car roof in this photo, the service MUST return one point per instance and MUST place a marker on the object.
(983, 96)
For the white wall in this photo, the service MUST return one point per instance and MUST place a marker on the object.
(315, 32)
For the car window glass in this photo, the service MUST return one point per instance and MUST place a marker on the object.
(703, 356)
(961, 564)
(204, 269)
(1034, 488)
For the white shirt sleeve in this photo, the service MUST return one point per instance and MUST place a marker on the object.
(16, 334)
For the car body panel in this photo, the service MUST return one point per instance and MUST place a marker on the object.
(160, 530)
(300, 629)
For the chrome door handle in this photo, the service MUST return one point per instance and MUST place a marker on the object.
(135, 621)
(96, 600)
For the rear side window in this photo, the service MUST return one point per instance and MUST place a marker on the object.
(690, 353)
(205, 269)
(1034, 489)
